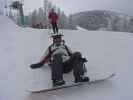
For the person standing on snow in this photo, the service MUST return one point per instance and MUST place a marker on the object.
(63, 60)
(53, 18)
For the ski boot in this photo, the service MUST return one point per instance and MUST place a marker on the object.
(58, 82)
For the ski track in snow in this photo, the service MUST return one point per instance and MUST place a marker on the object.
(106, 52)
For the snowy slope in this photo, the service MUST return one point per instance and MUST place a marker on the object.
(106, 52)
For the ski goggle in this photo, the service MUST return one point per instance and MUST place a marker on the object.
(57, 39)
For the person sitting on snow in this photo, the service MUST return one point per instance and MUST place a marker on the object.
(63, 60)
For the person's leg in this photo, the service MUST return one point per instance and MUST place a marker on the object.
(67, 66)
(78, 67)
(56, 68)
(77, 64)
(54, 28)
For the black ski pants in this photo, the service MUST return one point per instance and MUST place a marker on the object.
(54, 27)
(74, 63)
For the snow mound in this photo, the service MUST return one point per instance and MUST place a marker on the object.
(6, 23)
(106, 52)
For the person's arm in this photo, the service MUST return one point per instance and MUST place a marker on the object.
(69, 51)
(45, 57)
(42, 62)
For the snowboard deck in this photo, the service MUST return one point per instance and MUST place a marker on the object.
(68, 85)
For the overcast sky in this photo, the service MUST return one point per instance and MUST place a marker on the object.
(72, 6)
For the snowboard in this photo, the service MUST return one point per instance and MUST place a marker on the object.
(72, 84)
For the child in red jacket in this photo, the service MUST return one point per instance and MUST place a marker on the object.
(53, 17)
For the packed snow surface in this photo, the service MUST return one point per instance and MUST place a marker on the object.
(107, 52)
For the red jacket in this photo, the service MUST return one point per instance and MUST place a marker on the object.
(53, 17)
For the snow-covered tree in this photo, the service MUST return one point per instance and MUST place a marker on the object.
(40, 15)
(34, 17)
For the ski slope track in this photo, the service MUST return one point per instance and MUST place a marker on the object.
(107, 52)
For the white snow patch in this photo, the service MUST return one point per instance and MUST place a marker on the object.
(106, 52)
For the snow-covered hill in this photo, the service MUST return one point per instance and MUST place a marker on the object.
(103, 20)
(106, 52)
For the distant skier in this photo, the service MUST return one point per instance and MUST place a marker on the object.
(53, 18)
(62, 60)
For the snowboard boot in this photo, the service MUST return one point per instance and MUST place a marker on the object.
(37, 65)
(82, 79)
(58, 82)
